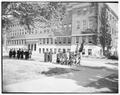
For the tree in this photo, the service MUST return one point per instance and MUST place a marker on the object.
(105, 36)
(26, 12)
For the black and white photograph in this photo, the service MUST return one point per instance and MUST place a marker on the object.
(63, 47)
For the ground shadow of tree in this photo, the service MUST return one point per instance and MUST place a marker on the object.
(57, 71)
(109, 82)
(101, 83)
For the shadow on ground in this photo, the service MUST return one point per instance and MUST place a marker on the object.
(83, 75)
(110, 82)
(7, 57)
(56, 71)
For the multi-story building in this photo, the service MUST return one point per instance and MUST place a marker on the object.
(81, 22)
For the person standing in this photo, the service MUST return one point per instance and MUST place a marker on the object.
(58, 57)
(21, 54)
(18, 54)
(14, 53)
(50, 56)
(10, 53)
(26, 54)
(30, 53)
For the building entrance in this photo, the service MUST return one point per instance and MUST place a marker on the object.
(32, 47)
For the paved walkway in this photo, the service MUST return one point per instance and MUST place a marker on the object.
(67, 82)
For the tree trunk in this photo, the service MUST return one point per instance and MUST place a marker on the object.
(103, 50)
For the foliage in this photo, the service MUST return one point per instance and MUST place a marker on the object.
(26, 12)
(105, 36)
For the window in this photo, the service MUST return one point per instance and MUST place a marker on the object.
(78, 24)
(55, 41)
(17, 42)
(39, 50)
(25, 41)
(89, 51)
(64, 40)
(43, 40)
(68, 50)
(47, 40)
(84, 38)
(64, 50)
(77, 39)
(40, 41)
(90, 39)
(59, 39)
(83, 52)
(34, 47)
(28, 46)
(59, 50)
(46, 49)
(84, 24)
(43, 50)
(51, 41)
(55, 50)
(21, 41)
(50, 50)
(69, 40)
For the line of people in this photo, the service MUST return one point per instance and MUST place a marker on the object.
(48, 56)
(71, 58)
(20, 54)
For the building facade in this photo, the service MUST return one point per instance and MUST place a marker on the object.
(81, 22)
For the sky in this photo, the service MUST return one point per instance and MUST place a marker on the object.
(114, 7)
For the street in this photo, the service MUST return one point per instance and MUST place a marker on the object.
(35, 76)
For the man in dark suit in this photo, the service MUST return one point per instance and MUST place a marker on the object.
(14, 53)
(21, 54)
(10, 53)
(18, 54)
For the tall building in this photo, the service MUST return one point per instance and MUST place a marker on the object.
(81, 22)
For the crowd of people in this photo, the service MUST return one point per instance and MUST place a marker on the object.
(70, 58)
(20, 54)
(66, 58)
